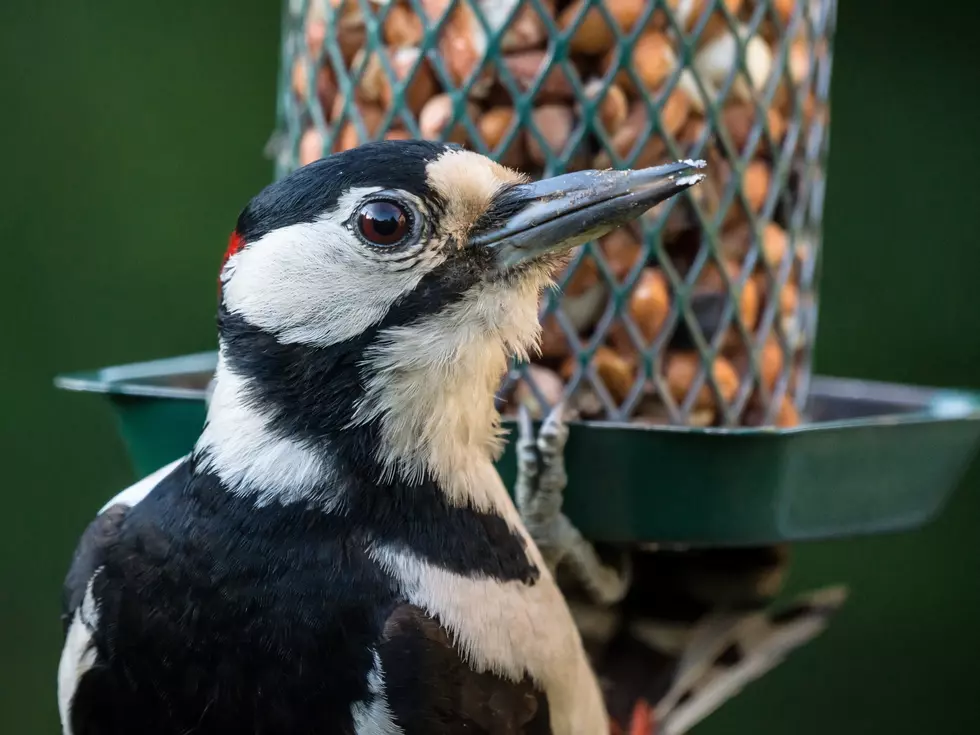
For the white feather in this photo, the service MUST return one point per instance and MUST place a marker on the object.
(375, 718)
(510, 629)
(316, 283)
(78, 654)
(136, 492)
(237, 445)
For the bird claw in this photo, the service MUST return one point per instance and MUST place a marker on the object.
(539, 492)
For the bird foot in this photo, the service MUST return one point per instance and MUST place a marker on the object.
(541, 481)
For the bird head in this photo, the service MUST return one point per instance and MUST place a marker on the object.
(333, 248)
(385, 286)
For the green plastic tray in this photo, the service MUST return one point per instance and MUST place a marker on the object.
(874, 458)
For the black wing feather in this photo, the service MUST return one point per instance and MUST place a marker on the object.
(90, 554)
(431, 690)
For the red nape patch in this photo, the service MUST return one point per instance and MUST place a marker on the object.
(235, 244)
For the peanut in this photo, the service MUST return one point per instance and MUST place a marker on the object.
(525, 67)
(554, 123)
(421, 86)
(613, 108)
(771, 363)
(549, 385)
(554, 343)
(434, 119)
(617, 374)
(784, 9)
(310, 146)
(348, 137)
(788, 416)
(682, 368)
(594, 35)
(584, 277)
(755, 184)
(526, 31)
(621, 249)
(402, 27)
(649, 303)
(653, 59)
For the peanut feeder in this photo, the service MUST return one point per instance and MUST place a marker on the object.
(714, 295)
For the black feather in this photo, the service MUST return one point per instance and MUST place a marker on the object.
(89, 555)
(218, 616)
(432, 691)
(307, 192)
(310, 393)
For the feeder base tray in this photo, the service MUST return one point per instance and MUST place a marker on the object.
(873, 458)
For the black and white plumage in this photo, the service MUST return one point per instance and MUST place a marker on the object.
(338, 553)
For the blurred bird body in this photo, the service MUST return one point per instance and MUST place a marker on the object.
(338, 553)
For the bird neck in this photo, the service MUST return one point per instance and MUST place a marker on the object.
(295, 423)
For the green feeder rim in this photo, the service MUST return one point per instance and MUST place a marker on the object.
(876, 458)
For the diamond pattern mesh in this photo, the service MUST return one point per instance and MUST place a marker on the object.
(704, 312)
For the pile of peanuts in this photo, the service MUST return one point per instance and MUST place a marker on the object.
(756, 263)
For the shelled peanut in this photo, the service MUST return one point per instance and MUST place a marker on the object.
(745, 299)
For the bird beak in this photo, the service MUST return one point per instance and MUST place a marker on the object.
(529, 220)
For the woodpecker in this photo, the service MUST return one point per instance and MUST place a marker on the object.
(672, 633)
(338, 553)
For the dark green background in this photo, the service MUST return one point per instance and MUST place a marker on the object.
(132, 134)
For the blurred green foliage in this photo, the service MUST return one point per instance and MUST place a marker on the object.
(133, 135)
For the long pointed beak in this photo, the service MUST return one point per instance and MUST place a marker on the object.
(530, 220)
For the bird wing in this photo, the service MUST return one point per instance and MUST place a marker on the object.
(80, 609)
(430, 689)
(89, 555)
(99, 536)
(139, 490)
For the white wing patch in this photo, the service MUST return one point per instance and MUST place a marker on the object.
(375, 718)
(509, 629)
(135, 493)
(78, 654)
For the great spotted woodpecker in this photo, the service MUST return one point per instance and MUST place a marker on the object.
(338, 553)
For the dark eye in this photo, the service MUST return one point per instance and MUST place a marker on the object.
(383, 223)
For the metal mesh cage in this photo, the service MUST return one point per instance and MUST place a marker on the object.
(702, 313)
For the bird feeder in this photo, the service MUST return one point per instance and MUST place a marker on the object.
(684, 342)
(704, 312)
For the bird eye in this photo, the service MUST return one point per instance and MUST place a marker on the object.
(383, 223)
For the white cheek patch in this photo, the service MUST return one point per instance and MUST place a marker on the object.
(237, 445)
(317, 283)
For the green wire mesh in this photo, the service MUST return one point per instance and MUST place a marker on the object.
(704, 312)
